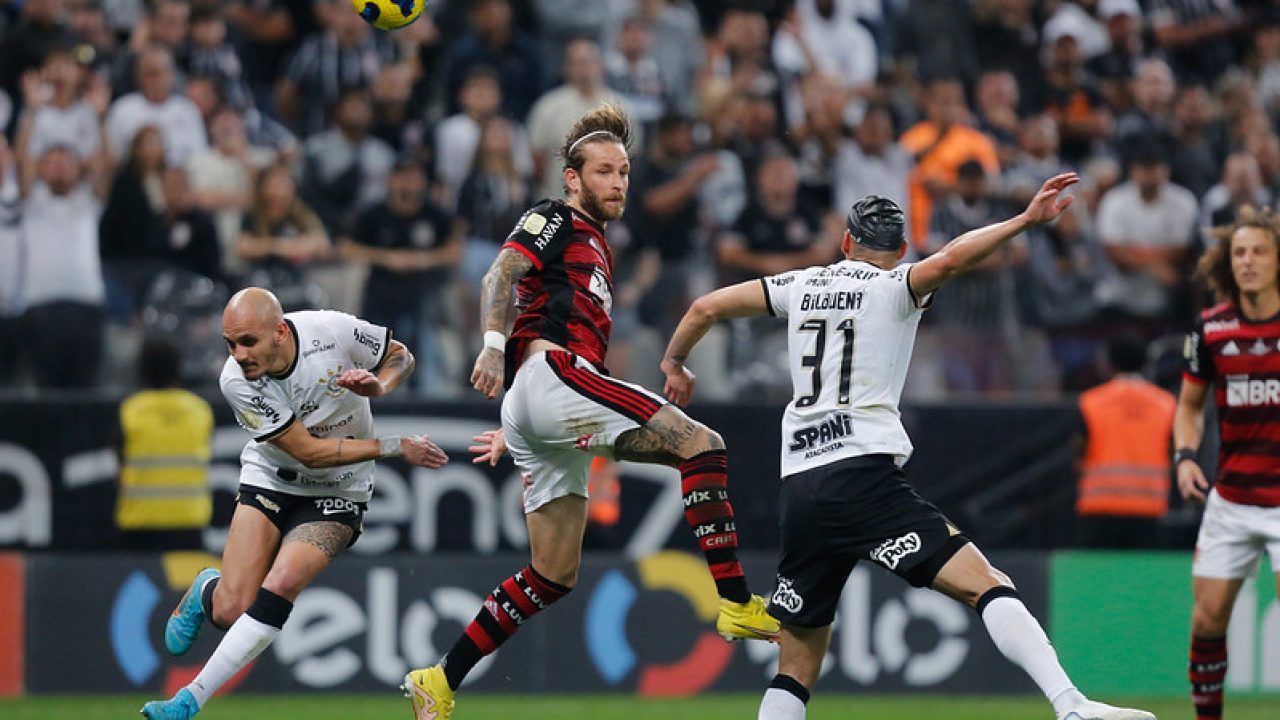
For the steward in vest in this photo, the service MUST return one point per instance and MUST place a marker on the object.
(164, 500)
(1124, 480)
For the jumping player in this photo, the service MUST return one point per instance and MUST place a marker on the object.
(844, 496)
(561, 410)
(1235, 346)
(300, 383)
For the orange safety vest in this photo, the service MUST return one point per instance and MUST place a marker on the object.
(1126, 460)
(603, 491)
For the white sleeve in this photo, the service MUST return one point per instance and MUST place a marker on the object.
(362, 341)
(904, 300)
(777, 292)
(263, 411)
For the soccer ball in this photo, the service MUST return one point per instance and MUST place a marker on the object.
(389, 14)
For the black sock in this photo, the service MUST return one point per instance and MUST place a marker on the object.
(789, 684)
(206, 601)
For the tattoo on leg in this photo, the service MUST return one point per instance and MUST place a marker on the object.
(331, 537)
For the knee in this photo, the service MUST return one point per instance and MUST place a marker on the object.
(704, 439)
(1210, 619)
(983, 583)
(286, 582)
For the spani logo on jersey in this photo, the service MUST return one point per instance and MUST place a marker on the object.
(821, 435)
(606, 626)
(389, 14)
(137, 603)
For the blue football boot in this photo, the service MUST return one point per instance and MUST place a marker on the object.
(182, 706)
(184, 625)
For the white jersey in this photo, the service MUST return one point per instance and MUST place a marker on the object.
(328, 344)
(851, 328)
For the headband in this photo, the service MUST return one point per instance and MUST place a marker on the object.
(583, 139)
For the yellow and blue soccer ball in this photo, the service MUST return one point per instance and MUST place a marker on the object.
(389, 14)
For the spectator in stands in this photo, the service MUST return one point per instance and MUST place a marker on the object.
(996, 102)
(166, 25)
(677, 46)
(1114, 69)
(952, 53)
(62, 274)
(411, 251)
(978, 324)
(561, 22)
(212, 56)
(756, 135)
(739, 53)
(663, 216)
(494, 41)
(1037, 160)
(266, 31)
(163, 501)
(1265, 63)
(1147, 226)
(940, 144)
(555, 112)
(344, 169)
(1150, 120)
(1241, 184)
(1072, 99)
(156, 103)
(1198, 37)
(98, 46)
(189, 236)
(821, 40)
(280, 232)
(395, 120)
(346, 57)
(1006, 38)
(130, 238)
(222, 180)
(457, 136)
(1124, 473)
(57, 110)
(632, 71)
(492, 198)
(771, 236)
(39, 28)
(1196, 162)
(873, 163)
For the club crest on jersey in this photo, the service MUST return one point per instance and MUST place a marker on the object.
(330, 383)
(891, 552)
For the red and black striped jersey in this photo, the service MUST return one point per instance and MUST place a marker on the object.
(567, 297)
(1241, 357)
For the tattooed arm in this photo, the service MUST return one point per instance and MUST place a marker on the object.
(495, 303)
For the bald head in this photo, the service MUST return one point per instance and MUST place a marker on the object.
(256, 334)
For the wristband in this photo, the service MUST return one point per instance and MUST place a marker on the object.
(389, 446)
(1185, 454)
(495, 340)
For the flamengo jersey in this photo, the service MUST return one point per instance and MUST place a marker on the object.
(328, 344)
(851, 328)
(1242, 358)
(568, 296)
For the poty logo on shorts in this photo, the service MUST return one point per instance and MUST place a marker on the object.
(786, 597)
(891, 552)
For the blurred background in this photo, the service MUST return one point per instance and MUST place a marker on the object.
(157, 156)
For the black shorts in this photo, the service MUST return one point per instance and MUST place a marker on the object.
(287, 512)
(835, 515)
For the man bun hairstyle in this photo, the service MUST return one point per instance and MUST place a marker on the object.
(606, 123)
(876, 223)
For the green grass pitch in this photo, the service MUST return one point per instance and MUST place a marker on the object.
(607, 707)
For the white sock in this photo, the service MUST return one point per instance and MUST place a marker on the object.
(246, 639)
(1021, 639)
(778, 704)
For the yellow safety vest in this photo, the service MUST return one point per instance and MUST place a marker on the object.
(164, 479)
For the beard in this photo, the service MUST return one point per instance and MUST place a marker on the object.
(594, 206)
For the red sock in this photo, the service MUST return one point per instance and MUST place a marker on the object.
(1207, 671)
(509, 606)
(704, 478)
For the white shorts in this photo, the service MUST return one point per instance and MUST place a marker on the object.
(560, 413)
(1232, 537)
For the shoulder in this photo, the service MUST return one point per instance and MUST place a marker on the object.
(545, 219)
(1220, 312)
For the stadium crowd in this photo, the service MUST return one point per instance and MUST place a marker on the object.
(160, 155)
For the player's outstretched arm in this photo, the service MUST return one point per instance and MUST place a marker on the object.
(963, 253)
(1188, 431)
(742, 300)
(495, 303)
(396, 366)
(315, 452)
